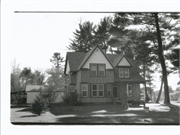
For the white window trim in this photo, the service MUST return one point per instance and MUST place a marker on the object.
(122, 72)
(127, 89)
(97, 90)
(84, 90)
(125, 73)
(101, 90)
(104, 65)
(96, 69)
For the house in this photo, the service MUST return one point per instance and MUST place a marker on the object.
(33, 90)
(96, 76)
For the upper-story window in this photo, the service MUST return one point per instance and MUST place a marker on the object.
(93, 69)
(97, 69)
(124, 73)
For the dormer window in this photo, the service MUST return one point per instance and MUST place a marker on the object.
(97, 69)
(124, 73)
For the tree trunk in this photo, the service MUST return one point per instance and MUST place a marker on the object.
(162, 60)
(144, 75)
(159, 95)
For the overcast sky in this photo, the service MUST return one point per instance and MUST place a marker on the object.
(32, 38)
(36, 36)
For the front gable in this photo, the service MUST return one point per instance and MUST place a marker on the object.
(97, 56)
(124, 62)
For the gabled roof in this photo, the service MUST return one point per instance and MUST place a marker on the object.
(88, 55)
(77, 59)
(122, 59)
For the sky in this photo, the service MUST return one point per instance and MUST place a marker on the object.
(36, 36)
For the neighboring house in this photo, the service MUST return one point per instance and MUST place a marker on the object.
(96, 76)
(33, 90)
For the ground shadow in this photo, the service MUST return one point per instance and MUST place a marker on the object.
(19, 106)
(29, 116)
(28, 109)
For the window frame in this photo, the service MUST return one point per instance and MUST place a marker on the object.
(121, 72)
(127, 90)
(97, 69)
(100, 90)
(97, 86)
(124, 74)
(127, 72)
(104, 66)
(84, 90)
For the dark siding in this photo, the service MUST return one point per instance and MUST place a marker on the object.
(85, 77)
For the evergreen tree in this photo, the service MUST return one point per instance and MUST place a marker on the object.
(83, 38)
(101, 34)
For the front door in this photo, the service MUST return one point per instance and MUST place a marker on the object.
(115, 92)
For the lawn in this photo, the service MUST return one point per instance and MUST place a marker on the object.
(98, 114)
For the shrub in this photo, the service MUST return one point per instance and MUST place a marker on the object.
(71, 99)
(174, 96)
(38, 106)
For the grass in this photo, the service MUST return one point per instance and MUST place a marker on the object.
(98, 114)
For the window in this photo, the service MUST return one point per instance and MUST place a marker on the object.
(97, 69)
(93, 70)
(108, 90)
(124, 73)
(101, 70)
(101, 90)
(129, 90)
(97, 90)
(84, 90)
(121, 73)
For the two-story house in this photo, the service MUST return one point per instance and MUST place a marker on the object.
(96, 76)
